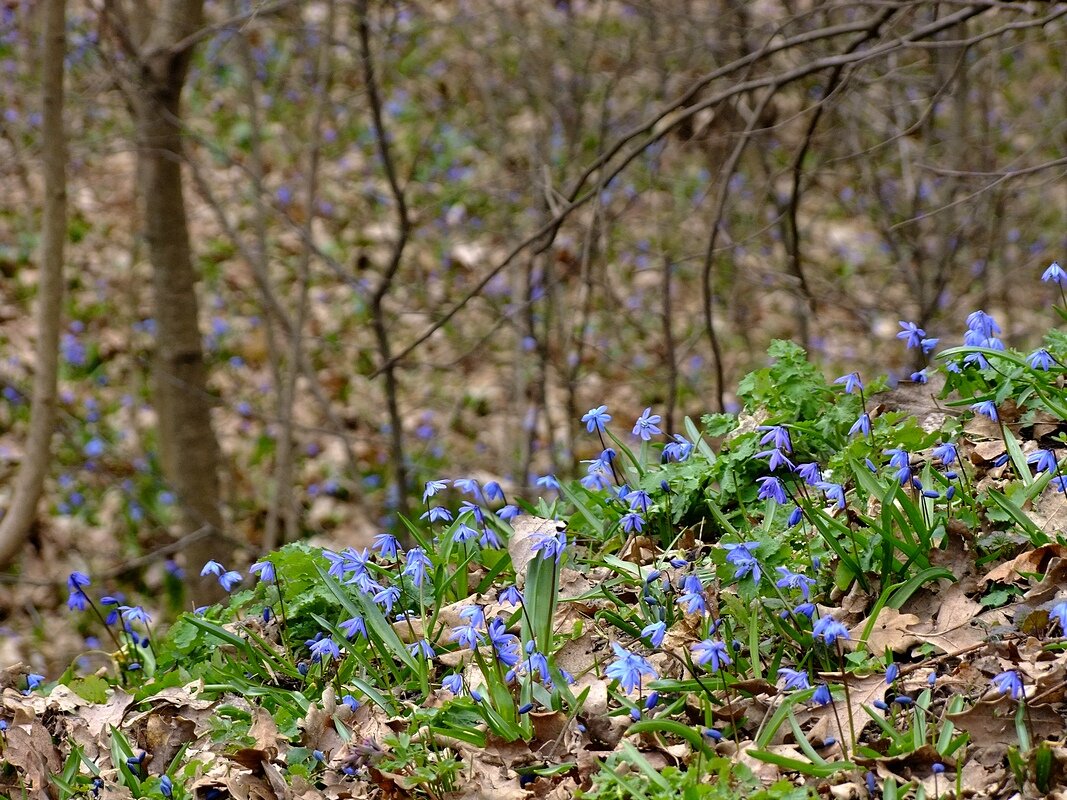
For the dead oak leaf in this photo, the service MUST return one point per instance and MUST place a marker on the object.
(891, 631)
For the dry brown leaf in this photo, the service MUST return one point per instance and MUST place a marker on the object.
(1032, 561)
(891, 631)
(29, 749)
(991, 723)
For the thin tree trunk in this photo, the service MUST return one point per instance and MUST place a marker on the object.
(18, 521)
(189, 451)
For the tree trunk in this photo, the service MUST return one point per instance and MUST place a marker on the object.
(18, 520)
(189, 451)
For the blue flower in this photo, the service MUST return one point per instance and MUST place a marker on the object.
(928, 345)
(350, 627)
(861, 425)
(771, 489)
(387, 597)
(776, 459)
(982, 324)
(166, 786)
(809, 472)
(464, 533)
(1059, 614)
(474, 509)
(692, 602)
(212, 568)
(508, 513)
(466, 636)
(645, 427)
(829, 630)
(628, 668)
(891, 673)
(548, 482)
(779, 435)
(822, 695)
(77, 601)
(550, 545)
(1044, 460)
(632, 522)
(596, 418)
(489, 540)
(654, 632)
(1054, 274)
(505, 645)
(897, 457)
(510, 596)
(712, 654)
(437, 514)
(387, 546)
(946, 453)
(33, 680)
(1040, 359)
(453, 682)
(228, 580)
(794, 580)
(833, 491)
(794, 679)
(986, 408)
(415, 565)
(678, 450)
(265, 571)
(323, 648)
(912, 332)
(852, 382)
(639, 501)
(493, 492)
(77, 581)
(740, 555)
(468, 486)
(1009, 683)
(919, 377)
(422, 649)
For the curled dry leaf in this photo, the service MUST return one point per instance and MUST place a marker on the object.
(528, 530)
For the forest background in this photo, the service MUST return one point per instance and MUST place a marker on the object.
(313, 254)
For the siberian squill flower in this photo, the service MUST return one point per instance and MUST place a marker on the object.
(794, 679)
(740, 555)
(628, 668)
(778, 435)
(712, 654)
(596, 418)
(654, 633)
(861, 425)
(829, 630)
(946, 453)
(1054, 273)
(771, 489)
(1044, 460)
(1010, 683)
(1040, 359)
(432, 488)
(645, 427)
(678, 450)
(415, 565)
(1058, 613)
(264, 570)
(986, 408)
(852, 382)
(912, 333)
